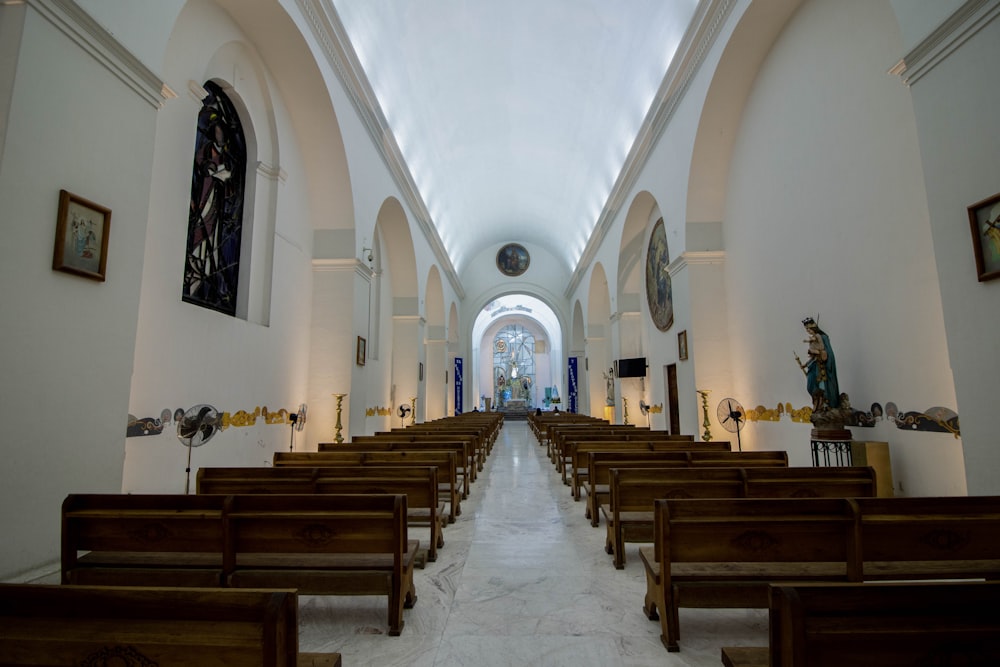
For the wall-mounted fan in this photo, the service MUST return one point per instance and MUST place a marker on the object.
(644, 409)
(732, 416)
(402, 412)
(297, 420)
(198, 425)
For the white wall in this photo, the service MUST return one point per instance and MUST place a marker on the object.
(66, 358)
(186, 355)
(827, 217)
(956, 105)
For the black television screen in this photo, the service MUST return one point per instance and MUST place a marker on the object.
(631, 368)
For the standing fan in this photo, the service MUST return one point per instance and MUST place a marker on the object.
(732, 416)
(194, 429)
(644, 409)
(402, 412)
(297, 420)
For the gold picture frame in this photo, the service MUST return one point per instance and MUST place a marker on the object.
(82, 232)
(984, 218)
(361, 352)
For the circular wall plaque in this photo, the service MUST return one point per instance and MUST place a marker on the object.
(658, 290)
(513, 259)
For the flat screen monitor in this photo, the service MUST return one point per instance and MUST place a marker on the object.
(631, 368)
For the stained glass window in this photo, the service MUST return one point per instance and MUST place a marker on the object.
(215, 218)
(513, 366)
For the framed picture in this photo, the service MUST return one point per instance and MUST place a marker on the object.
(421, 378)
(362, 348)
(984, 218)
(82, 232)
(513, 259)
(682, 345)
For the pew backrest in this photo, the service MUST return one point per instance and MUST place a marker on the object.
(170, 627)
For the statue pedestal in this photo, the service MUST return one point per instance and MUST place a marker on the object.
(831, 446)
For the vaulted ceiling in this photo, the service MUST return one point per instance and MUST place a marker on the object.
(514, 121)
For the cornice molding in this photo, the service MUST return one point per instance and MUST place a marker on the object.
(696, 258)
(934, 49)
(341, 266)
(332, 36)
(699, 38)
(90, 36)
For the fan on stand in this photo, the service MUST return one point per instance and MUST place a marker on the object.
(732, 417)
(297, 420)
(644, 409)
(402, 412)
(198, 425)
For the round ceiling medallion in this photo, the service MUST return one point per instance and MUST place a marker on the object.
(513, 259)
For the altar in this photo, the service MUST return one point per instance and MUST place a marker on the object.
(516, 403)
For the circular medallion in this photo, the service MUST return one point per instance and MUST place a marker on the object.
(513, 259)
(501, 345)
(659, 294)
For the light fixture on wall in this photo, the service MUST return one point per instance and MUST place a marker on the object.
(370, 257)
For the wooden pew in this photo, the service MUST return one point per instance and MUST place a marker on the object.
(718, 553)
(446, 463)
(629, 512)
(600, 463)
(576, 453)
(878, 625)
(420, 433)
(466, 469)
(724, 552)
(171, 627)
(539, 423)
(930, 538)
(567, 442)
(322, 544)
(418, 484)
(559, 434)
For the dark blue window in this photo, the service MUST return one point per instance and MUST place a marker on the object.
(215, 219)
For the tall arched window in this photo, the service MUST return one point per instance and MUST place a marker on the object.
(513, 366)
(215, 218)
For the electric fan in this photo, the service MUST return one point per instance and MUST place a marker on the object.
(402, 412)
(732, 417)
(644, 409)
(198, 425)
(297, 420)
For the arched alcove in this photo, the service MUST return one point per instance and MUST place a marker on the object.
(535, 319)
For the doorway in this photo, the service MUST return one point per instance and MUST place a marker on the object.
(673, 407)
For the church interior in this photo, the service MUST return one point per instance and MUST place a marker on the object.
(310, 221)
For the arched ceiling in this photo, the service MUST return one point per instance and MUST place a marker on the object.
(515, 120)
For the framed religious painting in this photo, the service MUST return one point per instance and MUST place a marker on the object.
(361, 352)
(82, 232)
(659, 293)
(513, 259)
(984, 218)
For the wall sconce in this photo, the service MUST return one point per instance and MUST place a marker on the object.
(370, 257)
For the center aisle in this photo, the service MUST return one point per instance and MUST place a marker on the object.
(522, 579)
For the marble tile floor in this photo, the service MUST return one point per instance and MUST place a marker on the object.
(523, 579)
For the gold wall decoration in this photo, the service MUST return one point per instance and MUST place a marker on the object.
(765, 414)
(656, 409)
(379, 411)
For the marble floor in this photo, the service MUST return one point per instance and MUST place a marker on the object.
(523, 579)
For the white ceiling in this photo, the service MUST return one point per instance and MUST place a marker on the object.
(514, 118)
